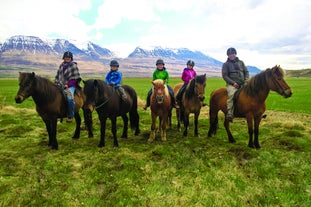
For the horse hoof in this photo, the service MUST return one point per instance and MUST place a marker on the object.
(75, 138)
(101, 145)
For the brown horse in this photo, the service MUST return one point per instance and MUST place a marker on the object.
(50, 103)
(250, 103)
(160, 105)
(108, 104)
(192, 101)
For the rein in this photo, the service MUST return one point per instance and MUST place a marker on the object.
(106, 101)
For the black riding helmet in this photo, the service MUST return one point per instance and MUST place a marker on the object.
(68, 54)
(190, 62)
(114, 63)
(160, 61)
(231, 51)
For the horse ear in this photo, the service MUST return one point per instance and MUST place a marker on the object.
(164, 82)
(33, 74)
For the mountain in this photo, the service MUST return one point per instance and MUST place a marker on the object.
(44, 56)
(253, 70)
(173, 53)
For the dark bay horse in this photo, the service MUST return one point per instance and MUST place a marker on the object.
(160, 105)
(50, 103)
(108, 104)
(250, 103)
(192, 101)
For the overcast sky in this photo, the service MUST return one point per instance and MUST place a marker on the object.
(264, 32)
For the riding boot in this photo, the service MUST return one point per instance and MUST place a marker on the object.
(148, 99)
(229, 115)
(122, 93)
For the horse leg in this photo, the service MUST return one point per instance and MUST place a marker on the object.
(88, 122)
(48, 125)
(186, 124)
(78, 124)
(125, 126)
(102, 132)
(196, 131)
(250, 131)
(169, 119)
(153, 124)
(54, 144)
(114, 131)
(163, 127)
(230, 137)
(256, 132)
(178, 119)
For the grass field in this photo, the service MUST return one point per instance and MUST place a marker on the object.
(192, 171)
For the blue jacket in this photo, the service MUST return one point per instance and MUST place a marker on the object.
(114, 77)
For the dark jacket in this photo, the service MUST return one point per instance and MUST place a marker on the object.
(234, 71)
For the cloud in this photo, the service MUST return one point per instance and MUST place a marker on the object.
(265, 32)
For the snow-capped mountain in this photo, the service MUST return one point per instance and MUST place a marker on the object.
(26, 43)
(20, 52)
(174, 53)
(96, 52)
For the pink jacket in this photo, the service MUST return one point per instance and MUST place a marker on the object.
(187, 75)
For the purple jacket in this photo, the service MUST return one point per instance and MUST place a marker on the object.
(187, 75)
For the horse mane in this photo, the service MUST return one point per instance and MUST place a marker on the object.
(46, 88)
(259, 81)
(160, 82)
(191, 85)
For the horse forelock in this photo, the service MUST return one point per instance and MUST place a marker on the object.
(160, 83)
(200, 79)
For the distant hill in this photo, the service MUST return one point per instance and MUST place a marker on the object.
(299, 73)
(44, 56)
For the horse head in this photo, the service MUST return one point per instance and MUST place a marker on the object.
(199, 86)
(159, 90)
(91, 94)
(26, 84)
(277, 82)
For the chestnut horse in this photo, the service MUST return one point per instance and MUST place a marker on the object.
(108, 104)
(250, 102)
(51, 103)
(192, 101)
(160, 105)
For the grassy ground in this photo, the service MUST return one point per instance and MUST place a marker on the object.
(192, 171)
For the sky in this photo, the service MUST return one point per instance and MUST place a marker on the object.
(265, 33)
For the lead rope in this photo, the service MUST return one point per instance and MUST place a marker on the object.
(102, 104)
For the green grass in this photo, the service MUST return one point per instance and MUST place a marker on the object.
(192, 171)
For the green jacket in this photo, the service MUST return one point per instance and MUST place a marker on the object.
(161, 74)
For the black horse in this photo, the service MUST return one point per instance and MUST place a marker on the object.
(50, 103)
(108, 104)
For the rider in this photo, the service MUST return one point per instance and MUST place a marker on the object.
(235, 73)
(114, 78)
(160, 73)
(187, 75)
(68, 77)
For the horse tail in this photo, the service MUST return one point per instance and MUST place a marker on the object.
(213, 117)
(134, 117)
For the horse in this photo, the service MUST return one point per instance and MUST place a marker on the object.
(108, 104)
(250, 102)
(160, 105)
(51, 103)
(192, 101)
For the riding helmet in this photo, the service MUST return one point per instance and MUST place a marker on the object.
(68, 54)
(160, 61)
(231, 51)
(190, 62)
(114, 63)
